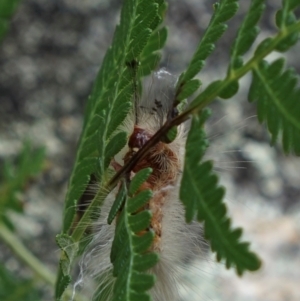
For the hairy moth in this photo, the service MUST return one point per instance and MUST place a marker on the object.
(175, 241)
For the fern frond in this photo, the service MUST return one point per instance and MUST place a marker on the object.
(129, 254)
(224, 10)
(111, 98)
(278, 102)
(202, 197)
(108, 106)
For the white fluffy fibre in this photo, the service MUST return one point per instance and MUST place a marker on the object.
(180, 242)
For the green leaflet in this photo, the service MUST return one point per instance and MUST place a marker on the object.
(224, 10)
(189, 88)
(170, 135)
(149, 56)
(120, 199)
(138, 180)
(207, 94)
(246, 36)
(202, 197)
(247, 33)
(129, 254)
(230, 90)
(277, 97)
(155, 43)
(114, 146)
(284, 18)
(136, 201)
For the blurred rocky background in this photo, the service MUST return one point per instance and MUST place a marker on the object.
(48, 61)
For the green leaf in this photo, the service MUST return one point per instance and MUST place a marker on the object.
(138, 180)
(139, 221)
(224, 10)
(137, 202)
(149, 57)
(171, 135)
(247, 33)
(202, 197)
(230, 90)
(284, 18)
(144, 262)
(120, 199)
(156, 42)
(277, 97)
(137, 48)
(263, 46)
(202, 97)
(188, 89)
(143, 242)
(114, 146)
(129, 254)
(149, 63)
